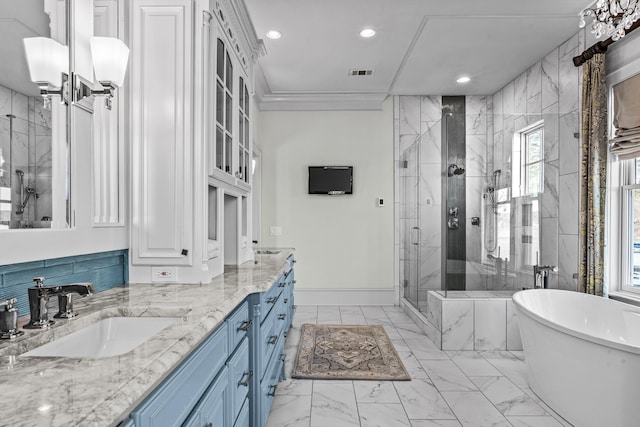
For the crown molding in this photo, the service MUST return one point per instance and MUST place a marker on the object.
(321, 101)
(233, 18)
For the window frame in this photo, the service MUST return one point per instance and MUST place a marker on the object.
(629, 183)
(525, 135)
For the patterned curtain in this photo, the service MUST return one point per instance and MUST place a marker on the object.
(593, 173)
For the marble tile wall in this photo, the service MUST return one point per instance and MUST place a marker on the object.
(549, 90)
(480, 324)
(27, 148)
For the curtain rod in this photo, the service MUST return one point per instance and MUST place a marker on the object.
(600, 47)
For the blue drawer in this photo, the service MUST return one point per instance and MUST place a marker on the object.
(176, 397)
(238, 324)
(239, 377)
(270, 338)
(270, 298)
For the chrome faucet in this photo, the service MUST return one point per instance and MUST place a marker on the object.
(39, 296)
(541, 275)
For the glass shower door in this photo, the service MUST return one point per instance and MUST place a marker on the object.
(410, 222)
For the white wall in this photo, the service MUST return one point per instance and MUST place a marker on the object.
(342, 242)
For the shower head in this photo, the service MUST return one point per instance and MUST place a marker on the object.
(455, 170)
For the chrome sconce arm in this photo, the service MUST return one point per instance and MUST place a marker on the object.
(47, 92)
(83, 89)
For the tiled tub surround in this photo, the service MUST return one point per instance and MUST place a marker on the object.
(102, 392)
(469, 320)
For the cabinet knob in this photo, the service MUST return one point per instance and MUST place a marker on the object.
(273, 339)
(281, 285)
(245, 326)
(282, 316)
(248, 376)
(272, 300)
(209, 425)
(273, 389)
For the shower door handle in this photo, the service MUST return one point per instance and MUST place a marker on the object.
(418, 235)
(453, 223)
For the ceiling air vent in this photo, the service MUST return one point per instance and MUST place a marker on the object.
(360, 72)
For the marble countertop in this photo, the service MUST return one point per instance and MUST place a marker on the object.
(57, 391)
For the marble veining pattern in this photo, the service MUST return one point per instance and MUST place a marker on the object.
(98, 392)
(452, 388)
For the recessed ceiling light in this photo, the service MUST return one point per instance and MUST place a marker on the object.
(367, 32)
(464, 79)
(274, 34)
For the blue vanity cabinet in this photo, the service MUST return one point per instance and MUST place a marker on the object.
(173, 401)
(272, 312)
(210, 385)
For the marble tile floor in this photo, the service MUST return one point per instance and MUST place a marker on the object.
(448, 389)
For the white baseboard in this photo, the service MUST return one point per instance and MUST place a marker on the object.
(345, 296)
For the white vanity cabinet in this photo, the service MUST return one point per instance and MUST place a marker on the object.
(190, 133)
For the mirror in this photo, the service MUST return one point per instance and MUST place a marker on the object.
(33, 192)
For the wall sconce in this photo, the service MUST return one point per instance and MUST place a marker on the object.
(48, 61)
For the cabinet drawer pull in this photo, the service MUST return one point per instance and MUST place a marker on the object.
(272, 300)
(248, 376)
(273, 339)
(245, 326)
(282, 316)
(273, 390)
(209, 425)
(281, 285)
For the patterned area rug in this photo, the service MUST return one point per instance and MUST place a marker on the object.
(347, 352)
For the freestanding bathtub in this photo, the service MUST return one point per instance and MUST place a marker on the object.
(583, 355)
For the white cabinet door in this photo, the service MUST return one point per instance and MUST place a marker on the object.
(161, 131)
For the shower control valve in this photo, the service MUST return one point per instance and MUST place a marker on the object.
(453, 212)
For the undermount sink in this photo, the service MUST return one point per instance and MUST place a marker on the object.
(112, 336)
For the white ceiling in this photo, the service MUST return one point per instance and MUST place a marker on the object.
(421, 46)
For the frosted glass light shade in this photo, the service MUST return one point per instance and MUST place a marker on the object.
(110, 57)
(47, 60)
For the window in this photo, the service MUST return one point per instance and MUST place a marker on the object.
(531, 160)
(630, 225)
(243, 132)
(224, 110)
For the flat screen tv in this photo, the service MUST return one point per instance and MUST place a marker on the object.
(331, 180)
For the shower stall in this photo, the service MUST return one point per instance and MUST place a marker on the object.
(472, 192)
(25, 162)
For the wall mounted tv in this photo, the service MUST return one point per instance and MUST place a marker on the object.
(331, 180)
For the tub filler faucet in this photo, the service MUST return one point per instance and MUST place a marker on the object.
(541, 275)
(39, 296)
